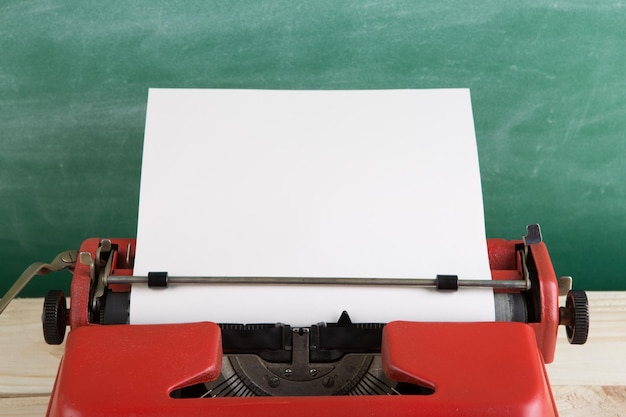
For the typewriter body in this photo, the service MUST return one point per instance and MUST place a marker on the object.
(112, 368)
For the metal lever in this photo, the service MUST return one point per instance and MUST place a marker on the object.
(64, 260)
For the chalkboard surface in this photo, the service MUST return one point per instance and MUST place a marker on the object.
(548, 83)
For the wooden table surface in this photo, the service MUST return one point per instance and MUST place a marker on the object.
(588, 380)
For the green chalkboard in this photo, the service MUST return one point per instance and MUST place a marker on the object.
(548, 82)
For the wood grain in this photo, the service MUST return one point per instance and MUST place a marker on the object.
(23, 406)
(590, 401)
(587, 380)
(28, 364)
(602, 360)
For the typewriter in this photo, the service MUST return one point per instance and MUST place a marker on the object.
(399, 368)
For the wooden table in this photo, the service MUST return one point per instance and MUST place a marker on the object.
(587, 380)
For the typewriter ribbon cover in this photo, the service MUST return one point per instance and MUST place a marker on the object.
(370, 184)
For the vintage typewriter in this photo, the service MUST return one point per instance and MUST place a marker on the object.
(112, 368)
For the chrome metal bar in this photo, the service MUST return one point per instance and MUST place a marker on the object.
(403, 282)
(499, 284)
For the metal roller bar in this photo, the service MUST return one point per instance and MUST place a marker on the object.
(403, 282)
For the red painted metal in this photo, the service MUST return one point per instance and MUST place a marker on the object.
(122, 370)
(505, 264)
(476, 369)
(546, 330)
(81, 282)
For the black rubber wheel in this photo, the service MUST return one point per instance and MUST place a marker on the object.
(54, 317)
(578, 305)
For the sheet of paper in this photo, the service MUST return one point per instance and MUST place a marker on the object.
(379, 183)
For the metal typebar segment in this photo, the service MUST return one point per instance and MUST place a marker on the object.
(403, 282)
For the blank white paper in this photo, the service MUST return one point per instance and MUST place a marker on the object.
(379, 183)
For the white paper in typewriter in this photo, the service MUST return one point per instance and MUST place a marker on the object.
(310, 184)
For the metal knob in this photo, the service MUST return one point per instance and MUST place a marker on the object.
(575, 317)
(54, 317)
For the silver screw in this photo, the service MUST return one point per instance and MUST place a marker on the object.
(313, 372)
(288, 372)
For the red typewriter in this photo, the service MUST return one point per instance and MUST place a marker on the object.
(111, 368)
